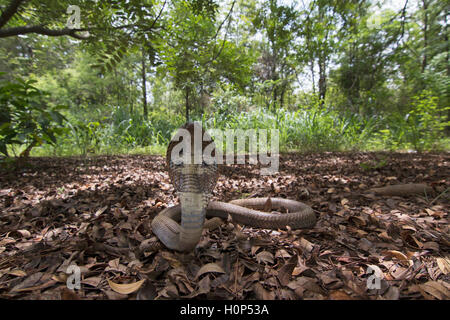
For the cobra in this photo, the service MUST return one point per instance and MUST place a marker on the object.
(180, 227)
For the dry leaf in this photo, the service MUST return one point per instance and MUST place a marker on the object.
(331, 190)
(23, 233)
(393, 293)
(431, 245)
(435, 289)
(60, 277)
(444, 265)
(45, 285)
(261, 293)
(282, 254)
(126, 288)
(285, 272)
(17, 273)
(99, 212)
(170, 257)
(306, 245)
(268, 205)
(147, 292)
(265, 257)
(399, 255)
(92, 281)
(210, 267)
(29, 281)
(305, 283)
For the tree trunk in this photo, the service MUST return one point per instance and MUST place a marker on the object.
(116, 81)
(187, 104)
(274, 98)
(448, 47)
(282, 93)
(26, 153)
(130, 96)
(448, 69)
(425, 34)
(313, 76)
(144, 85)
(322, 80)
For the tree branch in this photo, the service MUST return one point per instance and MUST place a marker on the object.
(159, 15)
(224, 40)
(9, 12)
(41, 30)
(14, 5)
(226, 18)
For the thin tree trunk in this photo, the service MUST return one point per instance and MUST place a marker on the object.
(425, 35)
(275, 97)
(282, 93)
(313, 76)
(322, 80)
(117, 87)
(187, 104)
(26, 152)
(448, 47)
(130, 96)
(144, 85)
(448, 68)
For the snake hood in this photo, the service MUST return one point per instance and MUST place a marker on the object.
(193, 173)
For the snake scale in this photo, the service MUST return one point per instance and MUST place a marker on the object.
(194, 182)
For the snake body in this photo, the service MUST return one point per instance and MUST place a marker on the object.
(195, 183)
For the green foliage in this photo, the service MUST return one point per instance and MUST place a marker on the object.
(277, 64)
(196, 57)
(329, 75)
(423, 128)
(427, 121)
(122, 132)
(25, 117)
(310, 128)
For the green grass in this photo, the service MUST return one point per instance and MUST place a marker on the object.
(312, 129)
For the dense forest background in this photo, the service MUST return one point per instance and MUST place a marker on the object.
(330, 75)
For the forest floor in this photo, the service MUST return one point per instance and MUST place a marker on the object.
(96, 213)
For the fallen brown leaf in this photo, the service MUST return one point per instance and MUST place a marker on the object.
(210, 267)
(285, 272)
(126, 288)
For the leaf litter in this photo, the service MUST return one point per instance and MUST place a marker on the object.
(95, 213)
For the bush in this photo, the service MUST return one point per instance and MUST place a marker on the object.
(25, 117)
(427, 122)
